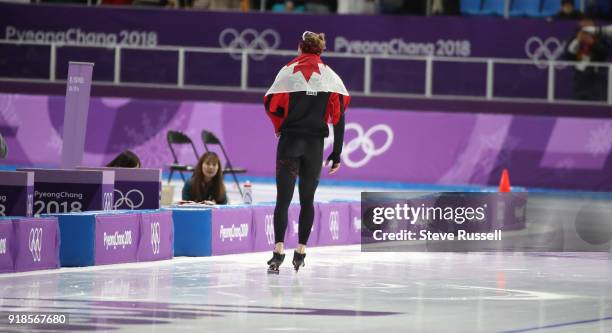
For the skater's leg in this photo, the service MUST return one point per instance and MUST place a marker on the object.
(287, 169)
(310, 171)
(286, 173)
(279, 247)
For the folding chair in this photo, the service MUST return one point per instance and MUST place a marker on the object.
(208, 138)
(179, 138)
(3, 149)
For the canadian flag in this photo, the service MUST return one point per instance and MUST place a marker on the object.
(307, 73)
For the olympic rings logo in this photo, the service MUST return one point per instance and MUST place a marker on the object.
(155, 237)
(35, 243)
(132, 199)
(107, 201)
(269, 227)
(249, 40)
(296, 227)
(356, 224)
(30, 205)
(2, 245)
(363, 142)
(542, 51)
(334, 224)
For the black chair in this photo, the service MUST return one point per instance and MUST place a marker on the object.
(179, 138)
(208, 138)
(3, 149)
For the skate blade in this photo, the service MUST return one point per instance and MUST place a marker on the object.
(273, 271)
(297, 267)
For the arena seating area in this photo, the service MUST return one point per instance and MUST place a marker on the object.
(515, 8)
(530, 8)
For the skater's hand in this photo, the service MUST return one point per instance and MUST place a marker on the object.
(333, 160)
(334, 166)
(209, 202)
(183, 202)
(277, 134)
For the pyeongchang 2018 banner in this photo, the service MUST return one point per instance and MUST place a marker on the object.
(103, 28)
(382, 35)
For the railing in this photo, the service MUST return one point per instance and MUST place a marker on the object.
(429, 61)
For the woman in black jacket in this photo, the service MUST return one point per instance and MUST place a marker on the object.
(206, 185)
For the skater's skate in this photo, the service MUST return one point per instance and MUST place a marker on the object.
(298, 260)
(275, 262)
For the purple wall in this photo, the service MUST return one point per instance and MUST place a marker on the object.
(538, 40)
(394, 35)
(380, 145)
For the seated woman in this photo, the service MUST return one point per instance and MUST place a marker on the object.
(206, 185)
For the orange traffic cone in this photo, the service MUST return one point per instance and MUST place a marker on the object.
(504, 182)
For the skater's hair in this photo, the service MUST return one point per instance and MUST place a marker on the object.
(312, 42)
(218, 186)
(127, 159)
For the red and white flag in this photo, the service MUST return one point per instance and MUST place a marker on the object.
(307, 73)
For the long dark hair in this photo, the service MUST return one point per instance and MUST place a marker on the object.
(218, 187)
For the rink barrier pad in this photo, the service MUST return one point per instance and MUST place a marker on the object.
(122, 236)
(28, 244)
(112, 237)
(16, 193)
(192, 231)
(263, 227)
(334, 220)
(156, 236)
(355, 222)
(291, 236)
(7, 238)
(231, 229)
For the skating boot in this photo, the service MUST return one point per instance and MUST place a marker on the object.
(298, 260)
(275, 262)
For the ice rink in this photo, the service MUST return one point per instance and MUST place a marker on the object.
(340, 289)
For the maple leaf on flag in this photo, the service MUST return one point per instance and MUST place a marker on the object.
(307, 66)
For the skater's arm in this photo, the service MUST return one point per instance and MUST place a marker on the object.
(338, 140)
(338, 104)
(186, 195)
(223, 200)
(276, 108)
